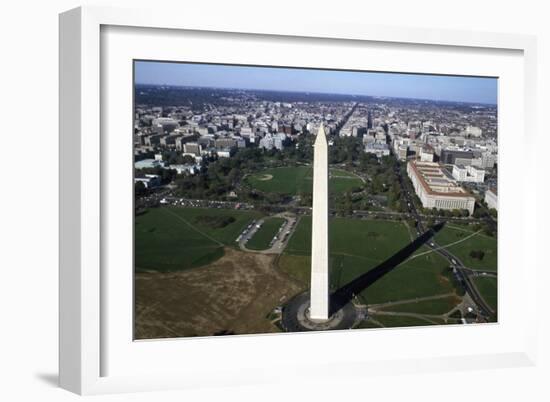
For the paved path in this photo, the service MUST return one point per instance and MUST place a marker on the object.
(434, 249)
(407, 301)
(279, 245)
(425, 317)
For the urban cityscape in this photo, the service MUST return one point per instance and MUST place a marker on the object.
(223, 178)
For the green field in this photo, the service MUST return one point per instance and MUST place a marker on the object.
(295, 180)
(169, 239)
(487, 286)
(262, 238)
(451, 234)
(357, 246)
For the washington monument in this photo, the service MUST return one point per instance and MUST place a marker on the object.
(319, 308)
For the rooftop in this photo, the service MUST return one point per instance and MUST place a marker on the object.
(436, 180)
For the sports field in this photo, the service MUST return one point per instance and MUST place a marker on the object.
(358, 246)
(263, 237)
(464, 240)
(172, 239)
(295, 180)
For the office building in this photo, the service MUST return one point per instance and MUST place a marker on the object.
(469, 173)
(436, 188)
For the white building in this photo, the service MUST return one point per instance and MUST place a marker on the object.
(271, 141)
(246, 131)
(167, 124)
(379, 150)
(488, 160)
(460, 172)
(149, 181)
(426, 154)
(475, 174)
(223, 153)
(473, 131)
(437, 189)
(268, 142)
(345, 132)
(190, 169)
(192, 148)
(468, 173)
(491, 198)
(148, 163)
(368, 139)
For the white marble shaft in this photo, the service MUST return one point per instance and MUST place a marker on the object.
(319, 309)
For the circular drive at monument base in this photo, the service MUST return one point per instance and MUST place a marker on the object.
(295, 316)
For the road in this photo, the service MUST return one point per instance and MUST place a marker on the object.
(279, 244)
(461, 271)
(388, 215)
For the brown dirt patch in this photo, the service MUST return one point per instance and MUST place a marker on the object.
(265, 177)
(233, 296)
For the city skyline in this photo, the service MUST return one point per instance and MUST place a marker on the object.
(483, 90)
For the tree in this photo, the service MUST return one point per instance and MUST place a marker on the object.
(188, 160)
(233, 175)
(479, 213)
(477, 254)
(140, 188)
(306, 199)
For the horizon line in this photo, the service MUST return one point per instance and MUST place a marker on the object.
(315, 92)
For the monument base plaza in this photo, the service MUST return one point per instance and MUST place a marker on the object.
(296, 317)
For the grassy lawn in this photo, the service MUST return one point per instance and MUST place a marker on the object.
(295, 180)
(451, 234)
(297, 266)
(431, 307)
(262, 238)
(400, 321)
(488, 289)
(358, 246)
(170, 239)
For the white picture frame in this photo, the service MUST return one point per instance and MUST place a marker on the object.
(87, 341)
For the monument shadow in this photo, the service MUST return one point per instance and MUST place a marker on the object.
(344, 295)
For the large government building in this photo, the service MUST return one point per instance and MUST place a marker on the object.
(436, 188)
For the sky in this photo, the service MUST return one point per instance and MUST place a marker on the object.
(435, 87)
